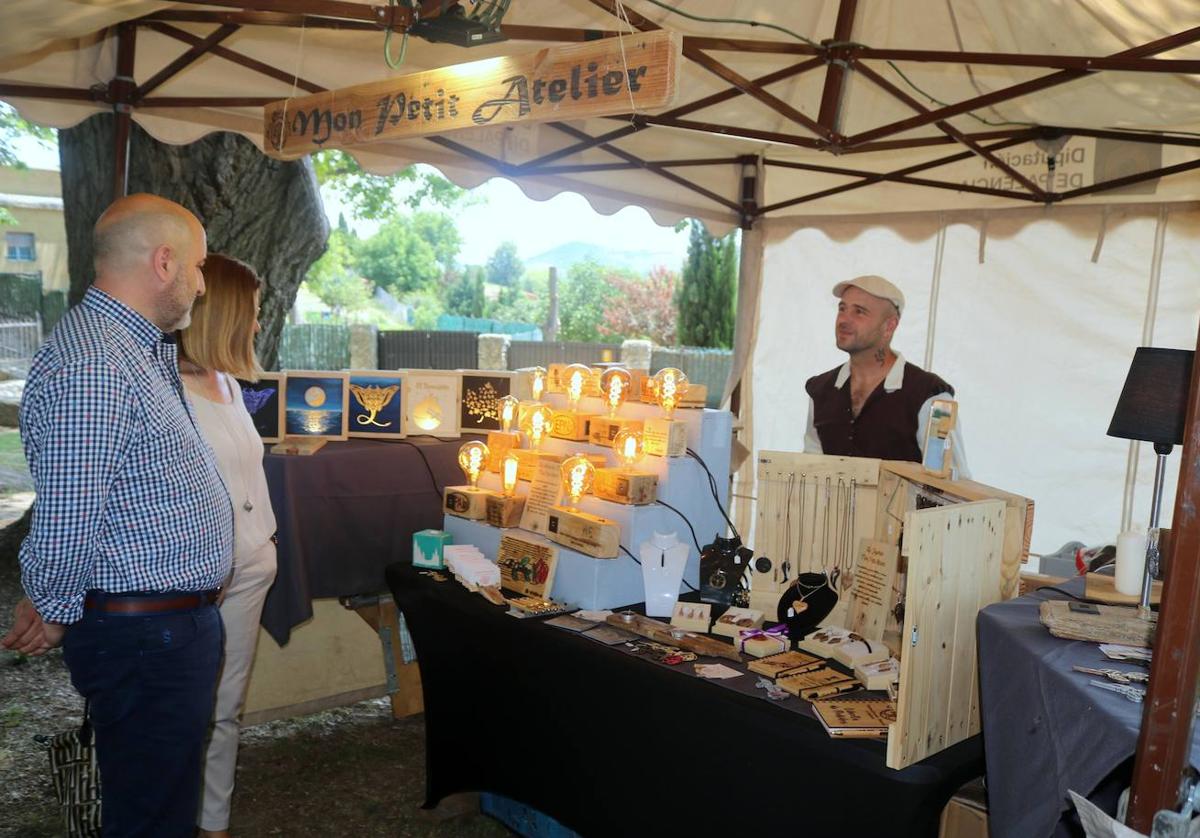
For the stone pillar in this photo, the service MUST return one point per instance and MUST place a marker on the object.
(635, 354)
(493, 351)
(364, 347)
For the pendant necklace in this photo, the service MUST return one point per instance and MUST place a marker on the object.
(799, 606)
(238, 438)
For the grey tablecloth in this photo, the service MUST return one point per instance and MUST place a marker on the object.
(1045, 729)
(347, 512)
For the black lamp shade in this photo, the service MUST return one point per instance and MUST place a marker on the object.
(1153, 403)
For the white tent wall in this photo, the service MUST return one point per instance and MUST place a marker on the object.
(1036, 339)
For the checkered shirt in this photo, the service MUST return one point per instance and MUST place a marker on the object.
(128, 494)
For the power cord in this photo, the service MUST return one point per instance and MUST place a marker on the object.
(638, 561)
(425, 460)
(699, 549)
(712, 485)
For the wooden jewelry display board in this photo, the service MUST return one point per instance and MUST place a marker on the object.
(960, 544)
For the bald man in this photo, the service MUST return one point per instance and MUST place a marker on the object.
(132, 532)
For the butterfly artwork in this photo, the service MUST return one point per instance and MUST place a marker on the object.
(377, 404)
(263, 403)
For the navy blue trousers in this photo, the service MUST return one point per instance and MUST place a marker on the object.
(151, 682)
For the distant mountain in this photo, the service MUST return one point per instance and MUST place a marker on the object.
(566, 255)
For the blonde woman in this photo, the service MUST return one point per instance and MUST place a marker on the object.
(215, 348)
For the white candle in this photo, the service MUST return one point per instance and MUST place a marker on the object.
(1131, 562)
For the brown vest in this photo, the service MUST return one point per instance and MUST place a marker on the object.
(885, 428)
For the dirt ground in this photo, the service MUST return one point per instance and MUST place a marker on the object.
(352, 771)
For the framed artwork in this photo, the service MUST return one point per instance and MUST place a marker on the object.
(376, 404)
(315, 404)
(481, 390)
(431, 403)
(264, 403)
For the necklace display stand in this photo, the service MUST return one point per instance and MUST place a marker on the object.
(663, 559)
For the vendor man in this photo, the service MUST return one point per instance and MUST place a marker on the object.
(885, 409)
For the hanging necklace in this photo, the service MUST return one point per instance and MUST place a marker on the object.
(237, 437)
(799, 606)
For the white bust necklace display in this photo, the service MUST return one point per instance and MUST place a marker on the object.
(663, 558)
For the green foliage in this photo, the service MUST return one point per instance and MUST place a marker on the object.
(399, 259)
(504, 268)
(642, 308)
(706, 296)
(427, 307)
(465, 295)
(334, 280)
(440, 231)
(525, 301)
(12, 128)
(583, 299)
(374, 197)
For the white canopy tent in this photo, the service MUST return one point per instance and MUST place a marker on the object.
(871, 153)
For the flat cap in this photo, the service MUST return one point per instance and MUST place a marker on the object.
(876, 286)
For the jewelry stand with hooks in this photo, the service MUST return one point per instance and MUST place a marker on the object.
(813, 510)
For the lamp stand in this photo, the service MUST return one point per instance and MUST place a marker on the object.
(1152, 554)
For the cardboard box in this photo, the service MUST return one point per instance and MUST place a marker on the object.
(428, 548)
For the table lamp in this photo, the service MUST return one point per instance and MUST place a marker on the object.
(1152, 408)
(616, 384)
(625, 484)
(468, 501)
(571, 424)
(665, 437)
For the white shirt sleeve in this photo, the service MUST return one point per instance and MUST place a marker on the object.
(958, 454)
(812, 442)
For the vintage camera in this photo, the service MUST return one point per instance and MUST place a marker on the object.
(723, 567)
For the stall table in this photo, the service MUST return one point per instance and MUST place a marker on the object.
(1046, 729)
(608, 744)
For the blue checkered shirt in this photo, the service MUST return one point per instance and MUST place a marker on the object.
(128, 494)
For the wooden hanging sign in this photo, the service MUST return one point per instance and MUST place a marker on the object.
(596, 78)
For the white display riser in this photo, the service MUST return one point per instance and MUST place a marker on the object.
(604, 583)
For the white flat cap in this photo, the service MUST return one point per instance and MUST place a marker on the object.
(876, 286)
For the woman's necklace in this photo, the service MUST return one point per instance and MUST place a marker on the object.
(237, 437)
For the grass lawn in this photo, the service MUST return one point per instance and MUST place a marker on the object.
(11, 453)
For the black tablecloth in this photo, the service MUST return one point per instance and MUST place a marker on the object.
(609, 744)
(347, 512)
(1046, 729)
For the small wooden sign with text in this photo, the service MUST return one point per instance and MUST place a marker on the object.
(871, 591)
(596, 78)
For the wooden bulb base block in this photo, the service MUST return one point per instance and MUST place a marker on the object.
(665, 437)
(499, 443)
(571, 426)
(528, 459)
(603, 429)
(584, 533)
(504, 511)
(465, 502)
(620, 486)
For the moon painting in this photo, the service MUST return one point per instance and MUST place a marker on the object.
(316, 404)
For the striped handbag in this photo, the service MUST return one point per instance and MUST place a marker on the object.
(76, 779)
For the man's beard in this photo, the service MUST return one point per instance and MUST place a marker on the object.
(177, 309)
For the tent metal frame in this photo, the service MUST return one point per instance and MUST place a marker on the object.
(1167, 723)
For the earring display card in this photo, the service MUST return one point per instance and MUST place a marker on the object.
(692, 616)
(735, 619)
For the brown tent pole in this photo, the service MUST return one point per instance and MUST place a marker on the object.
(121, 90)
(1166, 736)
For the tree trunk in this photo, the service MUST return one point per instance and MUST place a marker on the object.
(265, 212)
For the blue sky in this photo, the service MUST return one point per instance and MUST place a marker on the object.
(503, 213)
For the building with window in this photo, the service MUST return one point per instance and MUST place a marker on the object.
(37, 242)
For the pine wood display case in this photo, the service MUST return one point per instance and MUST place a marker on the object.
(961, 546)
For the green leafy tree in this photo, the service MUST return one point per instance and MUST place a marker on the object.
(333, 278)
(399, 259)
(12, 129)
(377, 197)
(465, 295)
(504, 268)
(642, 307)
(526, 301)
(707, 293)
(583, 299)
(441, 233)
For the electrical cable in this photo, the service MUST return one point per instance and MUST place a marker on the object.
(686, 521)
(712, 486)
(424, 459)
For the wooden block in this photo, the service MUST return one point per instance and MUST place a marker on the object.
(526, 566)
(785, 664)
(665, 437)
(692, 616)
(1101, 587)
(571, 426)
(504, 512)
(465, 502)
(603, 430)
(696, 395)
(302, 446)
(499, 443)
(620, 486)
(758, 644)
(735, 619)
(584, 533)
(528, 459)
(818, 683)
(556, 380)
(663, 633)
(877, 675)
(1114, 624)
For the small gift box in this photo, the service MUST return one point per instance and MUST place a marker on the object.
(762, 642)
